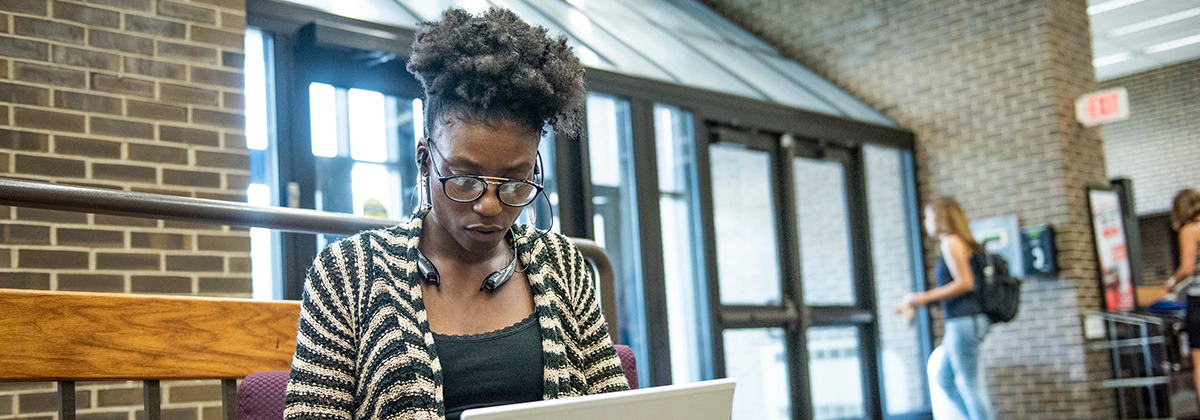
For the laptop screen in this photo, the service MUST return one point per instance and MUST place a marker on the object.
(707, 400)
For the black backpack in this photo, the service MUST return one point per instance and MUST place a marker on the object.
(999, 292)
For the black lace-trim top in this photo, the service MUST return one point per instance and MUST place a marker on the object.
(493, 368)
(531, 319)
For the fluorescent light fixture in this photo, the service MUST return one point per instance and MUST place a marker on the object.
(1170, 45)
(1153, 23)
(1110, 5)
(1111, 59)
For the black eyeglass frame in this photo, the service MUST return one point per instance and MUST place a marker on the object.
(487, 180)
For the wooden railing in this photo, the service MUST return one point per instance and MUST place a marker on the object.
(75, 336)
(67, 337)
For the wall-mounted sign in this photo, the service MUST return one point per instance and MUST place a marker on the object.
(1102, 107)
(1116, 276)
(1003, 237)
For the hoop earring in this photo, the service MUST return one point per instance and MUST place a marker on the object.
(428, 192)
(420, 195)
(533, 215)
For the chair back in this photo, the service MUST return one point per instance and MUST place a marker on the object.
(606, 281)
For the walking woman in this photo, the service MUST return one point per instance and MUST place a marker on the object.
(957, 384)
(1185, 218)
(461, 307)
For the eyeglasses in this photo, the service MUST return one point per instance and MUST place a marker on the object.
(468, 188)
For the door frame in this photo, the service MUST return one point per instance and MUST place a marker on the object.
(791, 314)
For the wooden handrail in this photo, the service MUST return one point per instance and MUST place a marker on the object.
(53, 336)
(82, 336)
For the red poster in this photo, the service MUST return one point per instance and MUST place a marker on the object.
(1115, 272)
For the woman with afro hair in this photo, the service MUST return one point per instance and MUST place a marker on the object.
(461, 307)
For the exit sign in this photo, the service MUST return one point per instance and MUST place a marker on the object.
(1102, 107)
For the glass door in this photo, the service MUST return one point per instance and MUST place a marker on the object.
(839, 324)
(755, 305)
(796, 313)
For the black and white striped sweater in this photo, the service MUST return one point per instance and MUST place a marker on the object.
(364, 349)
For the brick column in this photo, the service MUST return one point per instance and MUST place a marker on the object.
(988, 88)
(133, 95)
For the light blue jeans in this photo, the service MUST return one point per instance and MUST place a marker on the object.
(958, 388)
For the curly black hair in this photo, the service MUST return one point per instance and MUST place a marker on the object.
(495, 67)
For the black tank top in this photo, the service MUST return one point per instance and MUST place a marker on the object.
(494, 368)
(965, 304)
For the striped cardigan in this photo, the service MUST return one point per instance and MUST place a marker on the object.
(364, 349)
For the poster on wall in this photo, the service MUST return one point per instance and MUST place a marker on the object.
(1003, 237)
(1116, 277)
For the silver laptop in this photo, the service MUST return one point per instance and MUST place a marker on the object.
(707, 400)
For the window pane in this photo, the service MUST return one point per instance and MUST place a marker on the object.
(744, 213)
(432, 9)
(670, 53)
(605, 124)
(687, 312)
(824, 232)
(373, 189)
(534, 17)
(850, 106)
(263, 258)
(757, 360)
(835, 372)
(385, 12)
(256, 89)
(322, 100)
(775, 85)
(729, 30)
(615, 217)
(889, 192)
(368, 138)
(597, 39)
(547, 217)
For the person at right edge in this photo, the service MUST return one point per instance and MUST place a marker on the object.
(957, 385)
(1185, 219)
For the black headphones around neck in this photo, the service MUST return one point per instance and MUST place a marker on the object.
(429, 274)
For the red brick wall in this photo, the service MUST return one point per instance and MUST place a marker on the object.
(988, 88)
(133, 95)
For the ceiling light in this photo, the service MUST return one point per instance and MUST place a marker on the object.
(1111, 59)
(1152, 23)
(1170, 45)
(1110, 5)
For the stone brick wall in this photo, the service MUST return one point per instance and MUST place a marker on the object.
(988, 88)
(1158, 147)
(132, 95)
